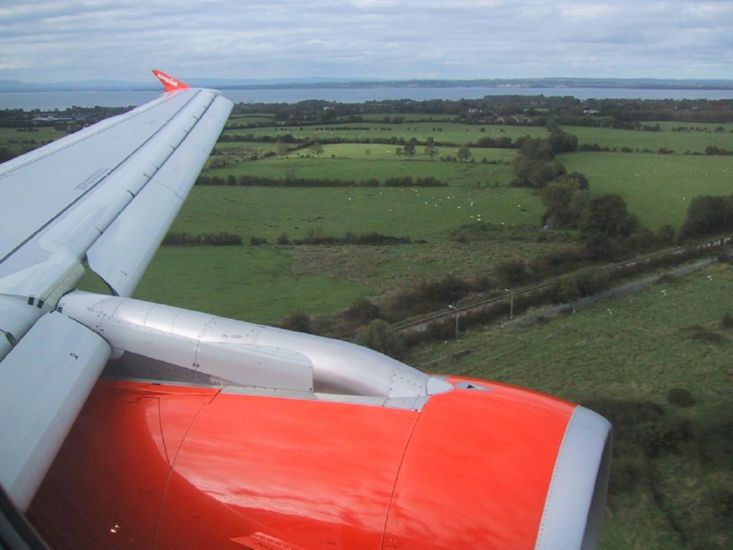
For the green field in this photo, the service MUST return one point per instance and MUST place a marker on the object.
(249, 147)
(384, 269)
(657, 188)
(389, 152)
(21, 141)
(252, 284)
(245, 119)
(626, 351)
(679, 142)
(449, 132)
(426, 213)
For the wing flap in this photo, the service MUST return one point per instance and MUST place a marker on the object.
(123, 252)
(44, 382)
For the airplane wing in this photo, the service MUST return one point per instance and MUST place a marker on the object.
(105, 197)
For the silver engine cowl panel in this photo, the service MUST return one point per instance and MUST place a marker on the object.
(247, 354)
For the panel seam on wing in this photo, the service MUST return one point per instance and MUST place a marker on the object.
(397, 477)
(172, 463)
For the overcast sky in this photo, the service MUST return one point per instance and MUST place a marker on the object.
(365, 39)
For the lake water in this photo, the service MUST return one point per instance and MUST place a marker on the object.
(62, 100)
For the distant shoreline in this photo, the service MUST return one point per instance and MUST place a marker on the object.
(498, 84)
(62, 99)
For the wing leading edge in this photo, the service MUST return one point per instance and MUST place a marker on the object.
(105, 195)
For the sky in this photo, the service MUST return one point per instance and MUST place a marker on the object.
(48, 41)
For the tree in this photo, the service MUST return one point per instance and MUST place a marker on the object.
(536, 149)
(708, 214)
(379, 336)
(577, 177)
(463, 153)
(606, 219)
(409, 148)
(281, 149)
(430, 149)
(316, 147)
(564, 201)
(560, 142)
(536, 173)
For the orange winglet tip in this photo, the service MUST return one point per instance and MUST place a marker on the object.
(170, 84)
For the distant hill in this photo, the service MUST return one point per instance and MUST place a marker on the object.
(323, 82)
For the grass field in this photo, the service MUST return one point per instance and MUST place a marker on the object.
(360, 169)
(389, 152)
(679, 142)
(385, 269)
(244, 119)
(451, 132)
(657, 188)
(426, 213)
(252, 284)
(254, 147)
(18, 141)
(634, 350)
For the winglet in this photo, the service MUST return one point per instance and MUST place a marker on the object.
(170, 84)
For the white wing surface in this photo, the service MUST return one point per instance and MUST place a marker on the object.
(106, 196)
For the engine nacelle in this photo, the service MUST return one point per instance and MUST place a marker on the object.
(298, 441)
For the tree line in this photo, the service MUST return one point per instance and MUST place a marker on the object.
(246, 180)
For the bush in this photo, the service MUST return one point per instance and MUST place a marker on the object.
(592, 281)
(378, 336)
(6, 154)
(210, 239)
(680, 397)
(315, 237)
(567, 290)
(704, 335)
(299, 322)
(362, 311)
(727, 321)
(666, 234)
(558, 261)
(429, 296)
(513, 272)
(629, 468)
(257, 241)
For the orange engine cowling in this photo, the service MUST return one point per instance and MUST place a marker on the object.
(152, 465)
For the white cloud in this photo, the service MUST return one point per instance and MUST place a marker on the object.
(51, 40)
(580, 12)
